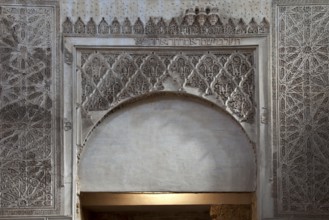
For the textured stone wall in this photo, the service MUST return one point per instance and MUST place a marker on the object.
(29, 129)
(301, 103)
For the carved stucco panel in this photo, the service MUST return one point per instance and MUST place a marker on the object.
(28, 126)
(302, 91)
(109, 77)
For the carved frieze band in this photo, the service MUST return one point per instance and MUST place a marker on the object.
(112, 76)
(28, 125)
(204, 22)
(301, 94)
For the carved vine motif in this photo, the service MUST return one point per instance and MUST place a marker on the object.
(179, 69)
(194, 22)
(27, 166)
(153, 68)
(303, 103)
(228, 77)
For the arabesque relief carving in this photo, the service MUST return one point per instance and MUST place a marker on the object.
(27, 110)
(195, 22)
(302, 103)
(112, 76)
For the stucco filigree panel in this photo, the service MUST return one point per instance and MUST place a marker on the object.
(302, 103)
(112, 76)
(28, 174)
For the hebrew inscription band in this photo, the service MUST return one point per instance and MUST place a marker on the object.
(187, 41)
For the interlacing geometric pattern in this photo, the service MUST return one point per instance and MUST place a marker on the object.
(27, 175)
(112, 76)
(303, 109)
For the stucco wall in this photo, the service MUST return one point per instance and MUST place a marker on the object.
(37, 171)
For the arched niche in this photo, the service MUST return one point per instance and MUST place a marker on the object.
(168, 143)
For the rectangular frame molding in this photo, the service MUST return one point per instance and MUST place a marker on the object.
(101, 199)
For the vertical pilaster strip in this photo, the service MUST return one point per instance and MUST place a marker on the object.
(301, 103)
(30, 78)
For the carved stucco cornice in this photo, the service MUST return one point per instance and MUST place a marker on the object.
(194, 23)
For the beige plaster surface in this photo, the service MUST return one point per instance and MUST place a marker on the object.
(168, 144)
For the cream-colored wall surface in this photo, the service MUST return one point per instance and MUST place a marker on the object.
(168, 144)
(167, 9)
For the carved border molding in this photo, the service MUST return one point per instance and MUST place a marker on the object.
(195, 22)
(300, 107)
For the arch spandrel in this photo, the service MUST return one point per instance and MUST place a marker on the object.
(129, 76)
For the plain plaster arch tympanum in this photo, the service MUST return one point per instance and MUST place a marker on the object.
(168, 144)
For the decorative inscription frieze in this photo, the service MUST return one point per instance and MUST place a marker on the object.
(301, 116)
(28, 124)
(187, 41)
(195, 22)
(110, 77)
